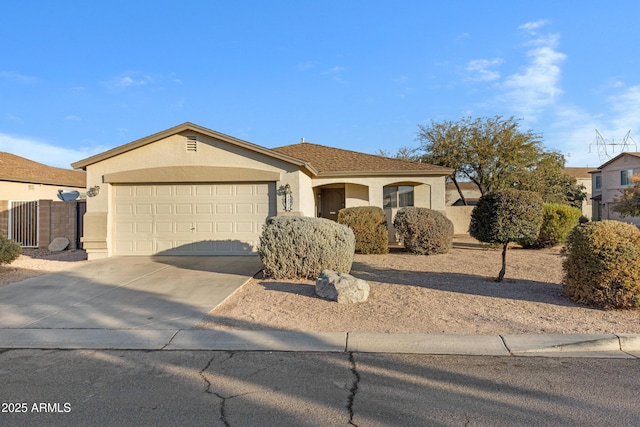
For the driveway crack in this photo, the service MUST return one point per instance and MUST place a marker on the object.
(354, 388)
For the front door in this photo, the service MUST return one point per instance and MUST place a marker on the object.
(332, 200)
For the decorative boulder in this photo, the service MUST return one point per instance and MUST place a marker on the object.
(341, 287)
(59, 244)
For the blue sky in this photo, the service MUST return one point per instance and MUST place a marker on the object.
(79, 77)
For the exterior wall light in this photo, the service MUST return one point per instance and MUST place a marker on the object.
(287, 199)
(93, 191)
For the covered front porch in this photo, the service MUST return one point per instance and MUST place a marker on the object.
(388, 194)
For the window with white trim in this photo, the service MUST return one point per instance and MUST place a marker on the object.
(598, 182)
(625, 176)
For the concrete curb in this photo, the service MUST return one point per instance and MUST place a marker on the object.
(485, 345)
(258, 341)
(123, 339)
(619, 346)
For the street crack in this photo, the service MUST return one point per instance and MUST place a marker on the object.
(354, 388)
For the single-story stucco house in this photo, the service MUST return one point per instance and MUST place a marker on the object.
(194, 191)
(24, 179)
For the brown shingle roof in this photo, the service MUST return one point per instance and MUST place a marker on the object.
(579, 172)
(18, 169)
(336, 161)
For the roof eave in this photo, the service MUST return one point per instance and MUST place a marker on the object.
(42, 181)
(332, 174)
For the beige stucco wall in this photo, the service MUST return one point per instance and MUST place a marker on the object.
(171, 152)
(25, 191)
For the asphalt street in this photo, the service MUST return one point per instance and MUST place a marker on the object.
(264, 388)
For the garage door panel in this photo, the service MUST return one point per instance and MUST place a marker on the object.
(196, 219)
(223, 190)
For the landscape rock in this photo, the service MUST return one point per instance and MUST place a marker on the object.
(341, 287)
(59, 244)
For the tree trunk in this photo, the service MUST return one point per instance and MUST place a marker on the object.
(504, 263)
(455, 182)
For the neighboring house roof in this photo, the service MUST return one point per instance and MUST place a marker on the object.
(18, 169)
(336, 161)
(579, 173)
(634, 154)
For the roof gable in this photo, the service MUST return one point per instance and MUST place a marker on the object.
(18, 169)
(619, 156)
(336, 161)
(82, 164)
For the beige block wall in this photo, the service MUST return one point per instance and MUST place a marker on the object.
(461, 218)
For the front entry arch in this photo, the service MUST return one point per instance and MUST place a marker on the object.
(331, 201)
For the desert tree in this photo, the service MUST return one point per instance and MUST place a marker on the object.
(505, 216)
(490, 152)
(628, 202)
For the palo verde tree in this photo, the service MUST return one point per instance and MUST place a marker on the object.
(490, 152)
(628, 203)
(505, 216)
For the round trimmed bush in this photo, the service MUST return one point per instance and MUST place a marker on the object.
(557, 222)
(424, 231)
(9, 250)
(301, 247)
(602, 267)
(369, 225)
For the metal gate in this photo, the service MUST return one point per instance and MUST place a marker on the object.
(23, 222)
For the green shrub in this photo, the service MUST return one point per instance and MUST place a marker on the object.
(424, 231)
(9, 250)
(301, 247)
(369, 225)
(557, 222)
(505, 216)
(602, 267)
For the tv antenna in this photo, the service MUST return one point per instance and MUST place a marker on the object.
(607, 148)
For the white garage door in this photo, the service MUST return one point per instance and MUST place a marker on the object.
(190, 219)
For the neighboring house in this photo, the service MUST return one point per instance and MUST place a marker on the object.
(608, 180)
(470, 191)
(23, 179)
(26, 191)
(193, 191)
(583, 177)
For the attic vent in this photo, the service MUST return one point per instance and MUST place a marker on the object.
(192, 143)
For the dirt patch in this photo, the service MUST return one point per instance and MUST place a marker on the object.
(451, 293)
(36, 262)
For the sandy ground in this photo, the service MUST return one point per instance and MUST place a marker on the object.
(452, 293)
(35, 262)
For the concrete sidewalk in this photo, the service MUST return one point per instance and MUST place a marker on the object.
(621, 346)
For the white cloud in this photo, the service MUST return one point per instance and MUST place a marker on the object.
(537, 86)
(13, 77)
(482, 69)
(43, 152)
(532, 27)
(72, 118)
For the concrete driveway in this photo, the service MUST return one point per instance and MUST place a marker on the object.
(166, 292)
